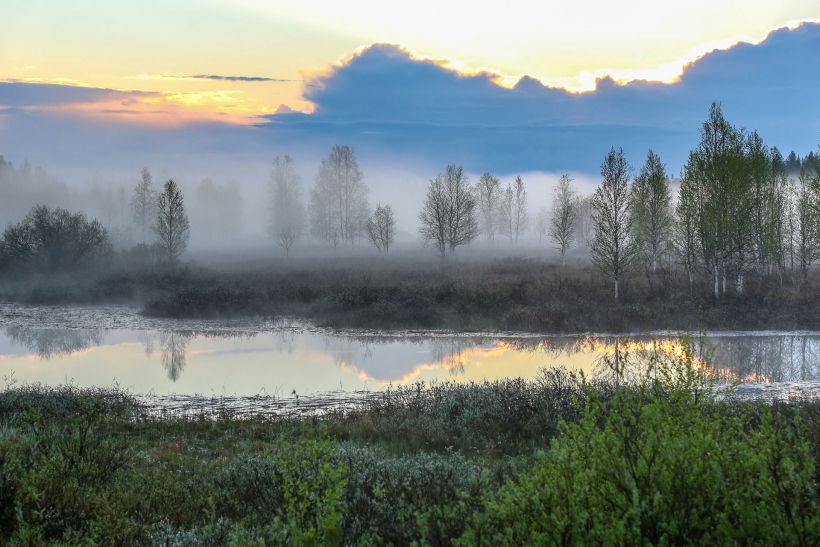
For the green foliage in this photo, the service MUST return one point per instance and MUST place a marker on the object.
(661, 464)
(423, 497)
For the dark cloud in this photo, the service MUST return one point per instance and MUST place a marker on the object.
(386, 99)
(22, 94)
(239, 78)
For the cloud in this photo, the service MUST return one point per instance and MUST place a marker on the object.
(239, 78)
(217, 77)
(419, 114)
(28, 94)
(385, 98)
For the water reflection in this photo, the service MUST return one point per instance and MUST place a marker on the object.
(307, 361)
(173, 346)
(48, 343)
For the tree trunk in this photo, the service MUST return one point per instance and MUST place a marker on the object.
(616, 290)
(739, 284)
(717, 284)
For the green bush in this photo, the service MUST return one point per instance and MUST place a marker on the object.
(398, 499)
(662, 463)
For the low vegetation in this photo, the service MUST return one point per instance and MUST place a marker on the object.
(648, 453)
(481, 294)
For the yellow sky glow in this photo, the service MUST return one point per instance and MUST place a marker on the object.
(156, 46)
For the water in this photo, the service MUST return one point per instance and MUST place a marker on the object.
(116, 346)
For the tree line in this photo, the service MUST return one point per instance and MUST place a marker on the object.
(739, 207)
(737, 211)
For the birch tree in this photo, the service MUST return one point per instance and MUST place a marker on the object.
(542, 223)
(520, 216)
(488, 193)
(339, 207)
(287, 209)
(448, 217)
(651, 211)
(144, 204)
(172, 227)
(613, 250)
(381, 228)
(564, 220)
(808, 220)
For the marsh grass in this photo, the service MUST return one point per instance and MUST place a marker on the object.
(521, 294)
(646, 453)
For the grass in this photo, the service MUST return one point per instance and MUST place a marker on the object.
(477, 294)
(645, 454)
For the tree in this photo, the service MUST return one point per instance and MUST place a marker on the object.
(381, 228)
(339, 207)
(808, 220)
(433, 218)
(144, 204)
(686, 226)
(586, 228)
(720, 189)
(542, 223)
(287, 209)
(506, 212)
(562, 224)
(520, 215)
(651, 211)
(448, 217)
(172, 227)
(53, 240)
(613, 250)
(488, 192)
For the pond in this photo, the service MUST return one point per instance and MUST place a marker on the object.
(107, 346)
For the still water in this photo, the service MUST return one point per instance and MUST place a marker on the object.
(116, 346)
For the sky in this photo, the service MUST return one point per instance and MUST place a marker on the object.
(175, 81)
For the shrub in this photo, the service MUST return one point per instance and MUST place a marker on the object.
(659, 465)
(294, 495)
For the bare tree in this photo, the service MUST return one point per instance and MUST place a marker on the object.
(462, 223)
(542, 223)
(434, 214)
(585, 226)
(488, 192)
(54, 240)
(448, 217)
(562, 226)
(287, 209)
(521, 217)
(613, 250)
(381, 228)
(172, 228)
(506, 212)
(339, 207)
(144, 204)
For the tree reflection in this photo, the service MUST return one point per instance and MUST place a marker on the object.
(48, 343)
(173, 346)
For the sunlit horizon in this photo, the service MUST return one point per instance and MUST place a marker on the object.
(237, 61)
